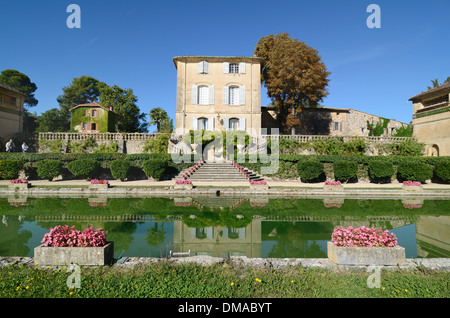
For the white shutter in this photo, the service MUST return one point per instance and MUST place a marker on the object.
(226, 67)
(210, 123)
(242, 67)
(225, 95)
(211, 94)
(200, 67)
(242, 124)
(194, 123)
(226, 123)
(194, 94)
(205, 67)
(242, 95)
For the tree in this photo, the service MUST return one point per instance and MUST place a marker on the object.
(159, 117)
(51, 121)
(294, 75)
(435, 82)
(22, 83)
(124, 103)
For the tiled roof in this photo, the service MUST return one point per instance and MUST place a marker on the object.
(12, 89)
(91, 105)
(432, 90)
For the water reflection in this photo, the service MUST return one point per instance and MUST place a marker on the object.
(225, 226)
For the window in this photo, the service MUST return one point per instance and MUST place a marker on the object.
(234, 124)
(86, 113)
(234, 68)
(234, 95)
(94, 113)
(93, 126)
(202, 123)
(335, 126)
(203, 95)
(203, 67)
(84, 126)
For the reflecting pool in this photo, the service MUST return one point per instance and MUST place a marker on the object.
(256, 227)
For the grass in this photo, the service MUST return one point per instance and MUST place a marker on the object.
(166, 280)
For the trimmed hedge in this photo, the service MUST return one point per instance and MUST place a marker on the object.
(49, 168)
(414, 171)
(442, 170)
(381, 171)
(10, 168)
(155, 168)
(120, 169)
(310, 170)
(85, 168)
(345, 170)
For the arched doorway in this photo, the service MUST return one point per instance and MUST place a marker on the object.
(433, 151)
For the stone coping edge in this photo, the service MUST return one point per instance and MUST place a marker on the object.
(433, 264)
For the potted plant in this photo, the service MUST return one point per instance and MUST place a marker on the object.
(258, 184)
(99, 184)
(333, 186)
(183, 184)
(364, 246)
(19, 183)
(412, 186)
(64, 245)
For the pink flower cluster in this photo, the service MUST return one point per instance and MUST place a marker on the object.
(329, 182)
(412, 206)
(65, 236)
(19, 181)
(183, 203)
(101, 181)
(183, 182)
(258, 182)
(241, 169)
(363, 237)
(411, 183)
(193, 168)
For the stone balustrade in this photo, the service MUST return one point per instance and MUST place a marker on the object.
(96, 136)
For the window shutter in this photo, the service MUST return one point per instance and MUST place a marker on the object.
(211, 94)
(242, 67)
(226, 123)
(226, 67)
(211, 123)
(242, 124)
(205, 67)
(225, 95)
(242, 95)
(200, 67)
(194, 123)
(194, 94)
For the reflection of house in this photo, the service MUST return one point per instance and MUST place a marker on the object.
(218, 93)
(93, 118)
(431, 119)
(331, 121)
(11, 113)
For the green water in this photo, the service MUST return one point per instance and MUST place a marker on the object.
(223, 226)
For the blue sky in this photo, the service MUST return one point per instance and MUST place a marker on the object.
(132, 43)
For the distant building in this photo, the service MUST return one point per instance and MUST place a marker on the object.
(93, 118)
(331, 121)
(218, 93)
(11, 114)
(431, 119)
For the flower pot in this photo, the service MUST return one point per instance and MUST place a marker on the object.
(183, 187)
(19, 185)
(259, 187)
(366, 255)
(99, 186)
(59, 256)
(412, 187)
(328, 187)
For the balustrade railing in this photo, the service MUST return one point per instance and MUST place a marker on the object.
(97, 136)
(309, 138)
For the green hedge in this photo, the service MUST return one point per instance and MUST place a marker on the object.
(120, 169)
(442, 171)
(310, 170)
(414, 171)
(49, 168)
(85, 168)
(345, 170)
(381, 170)
(155, 168)
(10, 168)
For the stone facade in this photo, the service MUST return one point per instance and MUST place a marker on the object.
(331, 122)
(93, 118)
(431, 120)
(11, 114)
(218, 93)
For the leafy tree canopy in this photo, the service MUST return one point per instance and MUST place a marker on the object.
(20, 82)
(160, 118)
(435, 82)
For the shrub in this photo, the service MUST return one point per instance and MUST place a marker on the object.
(363, 236)
(49, 168)
(155, 168)
(86, 168)
(442, 170)
(345, 170)
(380, 170)
(310, 170)
(10, 168)
(120, 169)
(414, 171)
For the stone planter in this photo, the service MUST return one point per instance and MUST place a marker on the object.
(259, 187)
(366, 255)
(412, 188)
(99, 186)
(59, 256)
(328, 187)
(183, 187)
(19, 185)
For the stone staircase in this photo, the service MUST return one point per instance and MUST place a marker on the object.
(220, 172)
